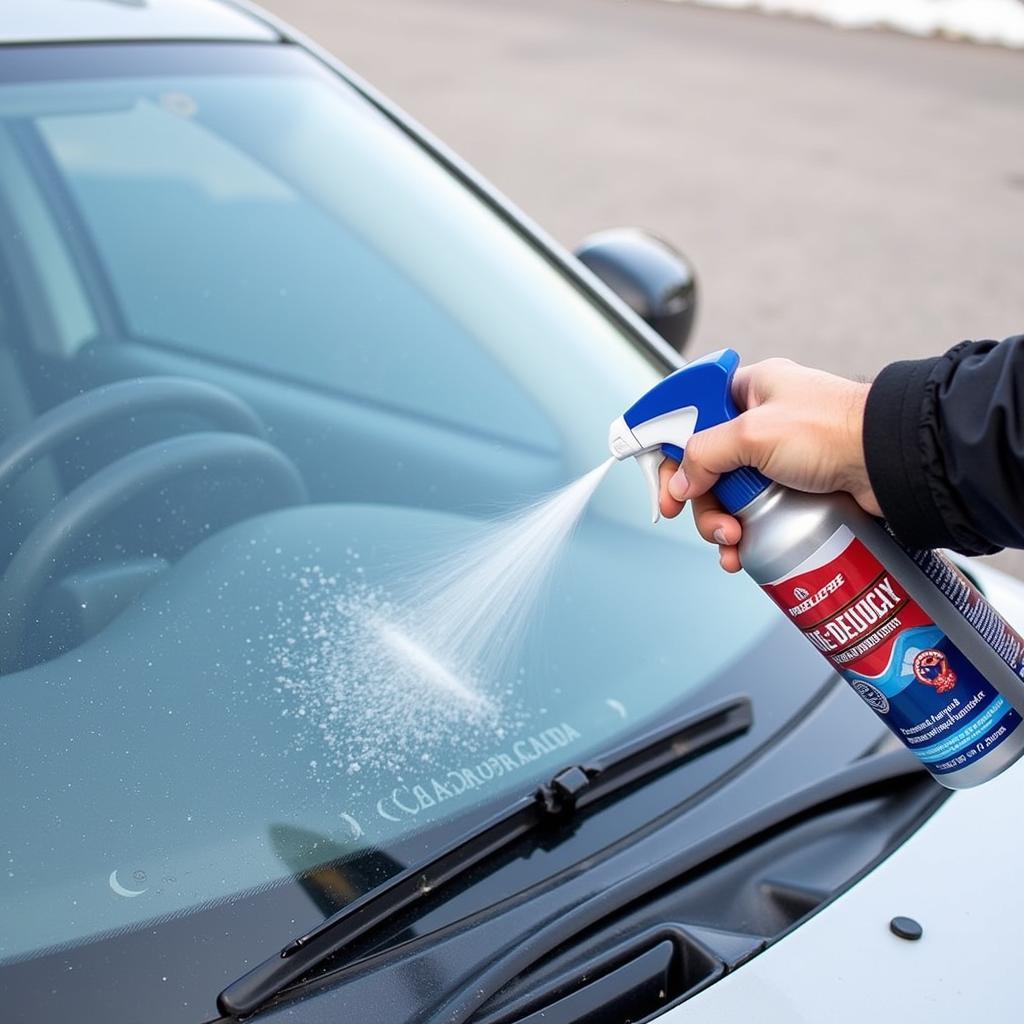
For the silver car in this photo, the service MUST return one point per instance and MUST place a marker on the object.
(266, 350)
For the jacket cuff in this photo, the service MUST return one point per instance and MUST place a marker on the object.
(896, 462)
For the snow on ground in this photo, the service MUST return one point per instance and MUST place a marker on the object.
(981, 21)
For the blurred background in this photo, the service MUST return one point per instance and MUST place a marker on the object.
(847, 196)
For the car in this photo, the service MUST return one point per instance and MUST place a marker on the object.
(272, 362)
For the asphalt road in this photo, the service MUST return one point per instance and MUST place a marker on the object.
(848, 198)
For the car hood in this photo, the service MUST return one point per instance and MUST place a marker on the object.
(958, 876)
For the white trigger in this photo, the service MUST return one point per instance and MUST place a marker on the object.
(649, 463)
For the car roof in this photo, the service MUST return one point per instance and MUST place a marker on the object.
(41, 21)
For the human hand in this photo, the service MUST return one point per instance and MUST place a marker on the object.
(800, 427)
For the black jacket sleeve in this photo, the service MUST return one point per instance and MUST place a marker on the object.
(944, 446)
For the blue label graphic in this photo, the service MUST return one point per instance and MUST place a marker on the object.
(894, 656)
(946, 728)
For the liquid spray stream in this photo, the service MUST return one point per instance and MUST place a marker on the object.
(471, 609)
(380, 679)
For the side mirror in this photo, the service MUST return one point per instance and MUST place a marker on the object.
(651, 277)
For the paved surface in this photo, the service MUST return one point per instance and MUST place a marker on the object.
(847, 197)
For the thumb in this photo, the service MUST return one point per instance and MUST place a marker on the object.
(709, 454)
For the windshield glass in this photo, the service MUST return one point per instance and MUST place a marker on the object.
(368, 365)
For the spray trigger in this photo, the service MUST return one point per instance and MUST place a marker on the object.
(649, 463)
(662, 421)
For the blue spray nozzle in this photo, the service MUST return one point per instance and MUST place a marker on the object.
(663, 420)
(705, 384)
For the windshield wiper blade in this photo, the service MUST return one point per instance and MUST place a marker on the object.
(568, 791)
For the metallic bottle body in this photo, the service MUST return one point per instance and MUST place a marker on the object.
(784, 528)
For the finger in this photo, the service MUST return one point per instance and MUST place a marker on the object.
(729, 558)
(717, 526)
(670, 507)
(743, 386)
(711, 453)
(714, 524)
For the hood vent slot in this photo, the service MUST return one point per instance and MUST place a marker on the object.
(630, 983)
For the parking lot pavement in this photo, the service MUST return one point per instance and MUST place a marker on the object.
(847, 197)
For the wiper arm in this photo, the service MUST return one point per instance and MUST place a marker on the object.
(570, 790)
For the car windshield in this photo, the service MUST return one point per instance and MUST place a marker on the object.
(330, 363)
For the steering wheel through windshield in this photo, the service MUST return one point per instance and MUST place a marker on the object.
(238, 449)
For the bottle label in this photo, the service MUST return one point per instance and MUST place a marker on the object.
(897, 660)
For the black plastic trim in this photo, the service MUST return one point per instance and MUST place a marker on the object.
(587, 992)
(833, 790)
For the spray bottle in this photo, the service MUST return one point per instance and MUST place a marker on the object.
(907, 630)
